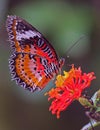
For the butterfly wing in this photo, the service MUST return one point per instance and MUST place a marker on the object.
(30, 71)
(34, 61)
(25, 38)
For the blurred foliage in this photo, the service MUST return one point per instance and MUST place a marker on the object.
(62, 23)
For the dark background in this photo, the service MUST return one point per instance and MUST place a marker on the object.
(62, 23)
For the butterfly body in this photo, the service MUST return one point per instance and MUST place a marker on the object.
(33, 62)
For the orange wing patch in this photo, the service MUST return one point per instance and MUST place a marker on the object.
(24, 67)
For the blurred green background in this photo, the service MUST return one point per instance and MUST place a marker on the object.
(62, 23)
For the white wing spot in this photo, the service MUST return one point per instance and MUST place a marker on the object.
(27, 35)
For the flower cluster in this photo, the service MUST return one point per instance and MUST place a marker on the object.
(68, 88)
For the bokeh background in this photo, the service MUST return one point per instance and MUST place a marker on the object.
(62, 22)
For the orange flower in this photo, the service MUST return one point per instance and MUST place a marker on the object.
(68, 88)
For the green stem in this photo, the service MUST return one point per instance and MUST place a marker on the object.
(89, 126)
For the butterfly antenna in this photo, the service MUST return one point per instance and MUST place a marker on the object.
(76, 43)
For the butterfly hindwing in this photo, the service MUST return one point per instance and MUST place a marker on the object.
(30, 71)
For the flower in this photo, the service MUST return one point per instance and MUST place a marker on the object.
(68, 88)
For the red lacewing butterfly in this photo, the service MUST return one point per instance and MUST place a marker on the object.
(33, 62)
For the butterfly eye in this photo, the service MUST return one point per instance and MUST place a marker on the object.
(40, 42)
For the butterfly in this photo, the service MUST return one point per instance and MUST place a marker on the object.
(34, 61)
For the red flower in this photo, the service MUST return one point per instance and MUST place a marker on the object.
(68, 88)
